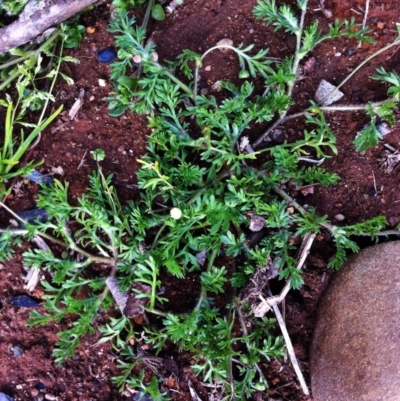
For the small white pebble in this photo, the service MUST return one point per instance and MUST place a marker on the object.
(208, 68)
(383, 128)
(338, 54)
(102, 82)
(338, 217)
(50, 397)
(224, 42)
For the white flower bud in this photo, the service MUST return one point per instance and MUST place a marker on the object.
(176, 213)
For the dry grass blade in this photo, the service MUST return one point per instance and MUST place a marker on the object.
(290, 349)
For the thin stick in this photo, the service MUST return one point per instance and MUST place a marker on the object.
(364, 23)
(327, 109)
(290, 349)
(82, 160)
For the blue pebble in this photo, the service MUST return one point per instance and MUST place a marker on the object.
(5, 397)
(107, 55)
(24, 301)
(16, 350)
(350, 52)
(33, 215)
(142, 397)
(40, 386)
(39, 178)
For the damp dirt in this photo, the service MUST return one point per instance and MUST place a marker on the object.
(365, 188)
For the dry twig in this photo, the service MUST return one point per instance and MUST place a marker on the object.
(290, 349)
(364, 23)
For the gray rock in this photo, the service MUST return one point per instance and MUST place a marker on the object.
(355, 349)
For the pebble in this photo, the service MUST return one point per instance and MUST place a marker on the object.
(141, 396)
(33, 215)
(40, 386)
(324, 89)
(350, 52)
(50, 397)
(224, 42)
(39, 178)
(354, 351)
(34, 392)
(5, 397)
(383, 128)
(338, 217)
(107, 55)
(24, 301)
(16, 350)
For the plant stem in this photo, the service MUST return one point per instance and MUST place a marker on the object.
(162, 228)
(290, 86)
(156, 312)
(383, 49)
(71, 245)
(146, 18)
(145, 22)
(297, 57)
(76, 248)
(9, 80)
(209, 266)
(184, 87)
(52, 85)
(297, 206)
(350, 107)
(199, 64)
(245, 334)
(50, 40)
(353, 107)
(328, 226)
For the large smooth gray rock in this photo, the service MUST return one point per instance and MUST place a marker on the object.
(355, 352)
